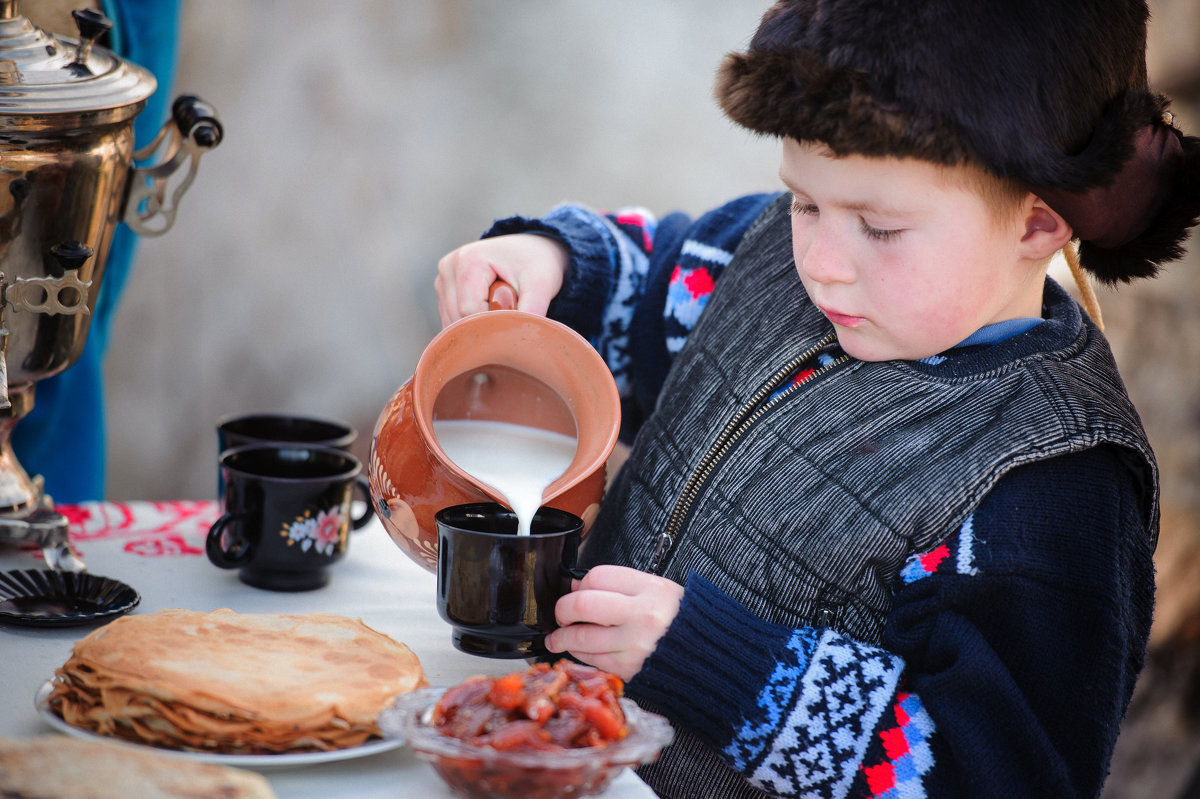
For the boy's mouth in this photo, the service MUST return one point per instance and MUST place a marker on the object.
(841, 319)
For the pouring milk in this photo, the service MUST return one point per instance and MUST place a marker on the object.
(516, 460)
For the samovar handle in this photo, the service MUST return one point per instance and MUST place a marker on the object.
(198, 120)
(192, 130)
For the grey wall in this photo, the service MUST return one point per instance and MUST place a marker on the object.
(364, 139)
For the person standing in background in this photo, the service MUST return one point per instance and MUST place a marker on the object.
(63, 437)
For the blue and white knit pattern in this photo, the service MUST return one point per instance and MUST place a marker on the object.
(751, 741)
(632, 265)
(699, 266)
(965, 559)
(816, 716)
(907, 756)
(958, 552)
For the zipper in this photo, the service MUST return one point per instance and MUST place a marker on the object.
(751, 412)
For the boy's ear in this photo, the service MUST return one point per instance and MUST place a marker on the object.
(1046, 232)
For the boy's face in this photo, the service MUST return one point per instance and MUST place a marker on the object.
(905, 258)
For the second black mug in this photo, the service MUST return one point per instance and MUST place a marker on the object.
(498, 589)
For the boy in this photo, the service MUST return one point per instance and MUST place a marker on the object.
(887, 529)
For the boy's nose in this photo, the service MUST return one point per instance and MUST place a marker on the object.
(822, 259)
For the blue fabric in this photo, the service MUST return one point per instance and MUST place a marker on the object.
(63, 437)
(995, 333)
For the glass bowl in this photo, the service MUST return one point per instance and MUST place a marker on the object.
(480, 772)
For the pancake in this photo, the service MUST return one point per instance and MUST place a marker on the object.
(234, 683)
(57, 767)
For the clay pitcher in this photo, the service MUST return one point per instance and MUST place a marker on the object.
(501, 365)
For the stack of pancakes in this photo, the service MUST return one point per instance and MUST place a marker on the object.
(234, 683)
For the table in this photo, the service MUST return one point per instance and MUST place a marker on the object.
(158, 549)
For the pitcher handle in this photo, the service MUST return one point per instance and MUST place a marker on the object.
(502, 297)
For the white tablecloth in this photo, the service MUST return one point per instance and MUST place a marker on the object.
(158, 549)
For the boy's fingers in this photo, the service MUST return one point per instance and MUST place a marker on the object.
(474, 281)
(447, 301)
(618, 579)
(536, 291)
(602, 647)
(587, 639)
(592, 606)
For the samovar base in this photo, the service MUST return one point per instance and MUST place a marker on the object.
(46, 527)
(27, 512)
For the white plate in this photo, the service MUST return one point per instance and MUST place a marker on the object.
(260, 762)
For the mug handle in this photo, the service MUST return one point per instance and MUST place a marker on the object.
(231, 558)
(364, 486)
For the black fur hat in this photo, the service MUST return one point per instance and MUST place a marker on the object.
(1052, 94)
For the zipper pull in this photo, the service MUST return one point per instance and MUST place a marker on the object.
(661, 547)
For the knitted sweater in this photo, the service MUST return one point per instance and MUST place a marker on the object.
(1011, 651)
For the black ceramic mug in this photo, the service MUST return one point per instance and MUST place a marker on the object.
(498, 589)
(287, 514)
(262, 428)
(243, 429)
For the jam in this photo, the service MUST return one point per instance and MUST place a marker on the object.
(544, 708)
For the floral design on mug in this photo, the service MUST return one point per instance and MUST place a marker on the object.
(323, 533)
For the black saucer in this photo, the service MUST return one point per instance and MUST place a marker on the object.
(40, 598)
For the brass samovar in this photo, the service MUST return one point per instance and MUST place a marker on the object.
(68, 175)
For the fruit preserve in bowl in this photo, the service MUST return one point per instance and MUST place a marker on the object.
(548, 731)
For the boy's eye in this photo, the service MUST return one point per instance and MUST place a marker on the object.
(807, 208)
(801, 207)
(875, 233)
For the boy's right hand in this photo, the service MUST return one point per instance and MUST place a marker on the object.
(532, 264)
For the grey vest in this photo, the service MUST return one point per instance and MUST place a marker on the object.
(805, 510)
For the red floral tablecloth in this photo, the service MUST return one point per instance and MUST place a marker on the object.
(149, 529)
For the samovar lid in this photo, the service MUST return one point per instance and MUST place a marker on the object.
(44, 74)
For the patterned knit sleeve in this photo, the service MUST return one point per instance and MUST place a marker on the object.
(1004, 670)
(637, 284)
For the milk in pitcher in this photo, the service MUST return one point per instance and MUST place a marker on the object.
(516, 460)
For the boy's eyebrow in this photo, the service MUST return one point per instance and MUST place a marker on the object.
(884, 209)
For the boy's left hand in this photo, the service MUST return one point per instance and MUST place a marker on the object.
(614, 617)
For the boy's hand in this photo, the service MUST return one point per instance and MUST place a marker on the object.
(614, 617)
(533, 265)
